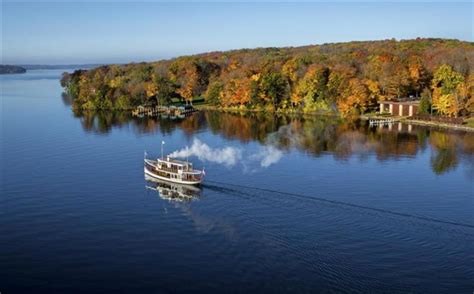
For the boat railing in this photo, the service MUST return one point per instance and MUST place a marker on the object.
(175, 170)
(194, 178)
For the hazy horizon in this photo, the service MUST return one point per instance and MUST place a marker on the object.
(102, 33)
(197, 53)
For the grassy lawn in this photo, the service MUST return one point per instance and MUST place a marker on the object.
(196, 101)
(470, 122)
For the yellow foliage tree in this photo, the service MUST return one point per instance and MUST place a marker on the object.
(358, 99)
(289, 70)
(150, 89)
(470, 93)
(236, 92)
(445, 104)
(447, 85)
(374, 91)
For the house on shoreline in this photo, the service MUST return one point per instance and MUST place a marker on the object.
(400, 107)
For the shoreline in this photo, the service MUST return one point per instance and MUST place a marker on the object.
(439, 125)
(406, 120)
(264, 110)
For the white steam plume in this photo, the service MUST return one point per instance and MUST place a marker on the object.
(228, 156)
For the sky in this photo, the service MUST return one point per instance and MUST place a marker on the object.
(79, 32)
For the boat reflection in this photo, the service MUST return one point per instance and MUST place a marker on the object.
(172, 191)
(180, 197)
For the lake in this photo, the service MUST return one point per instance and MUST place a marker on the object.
(304, 205)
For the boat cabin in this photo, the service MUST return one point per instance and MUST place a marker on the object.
(174, 165)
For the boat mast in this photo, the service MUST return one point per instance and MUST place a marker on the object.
(162, 143)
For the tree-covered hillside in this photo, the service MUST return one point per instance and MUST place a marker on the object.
(347, 77)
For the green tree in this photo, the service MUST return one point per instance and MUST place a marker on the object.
(213, 93)
(165, 89)
(425, 102)
(273, 88)
(313, 87)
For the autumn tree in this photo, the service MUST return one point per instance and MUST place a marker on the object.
(293, 69)
(419, 76)
(236, 92)
(470, 93)
(192, 75)
(312, 87)
(464, 95)
(398, 82)
(357, 100)
(338, 82)
(446, 84)
(390, 74)
(304, 78)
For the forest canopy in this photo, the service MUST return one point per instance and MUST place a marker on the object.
(349, 78)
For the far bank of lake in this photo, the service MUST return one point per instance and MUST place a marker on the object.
(369, 116)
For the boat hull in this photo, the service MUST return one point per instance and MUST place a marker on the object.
(177, 181)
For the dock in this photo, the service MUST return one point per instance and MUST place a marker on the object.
(377, 122)
(172, 111)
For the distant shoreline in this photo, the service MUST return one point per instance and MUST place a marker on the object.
(23, 68)
(6, 69)
(59, 66)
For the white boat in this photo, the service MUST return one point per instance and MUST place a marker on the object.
(173, 170)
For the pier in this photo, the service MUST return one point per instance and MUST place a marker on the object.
(178, 111)
(387, 121)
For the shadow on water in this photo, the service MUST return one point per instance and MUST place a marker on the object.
(315, 135)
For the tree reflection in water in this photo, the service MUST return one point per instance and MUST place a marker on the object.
(310, 134)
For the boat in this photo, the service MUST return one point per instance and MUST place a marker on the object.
(172, 191)
(173, 170)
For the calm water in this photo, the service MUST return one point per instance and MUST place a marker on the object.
(290, 205)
